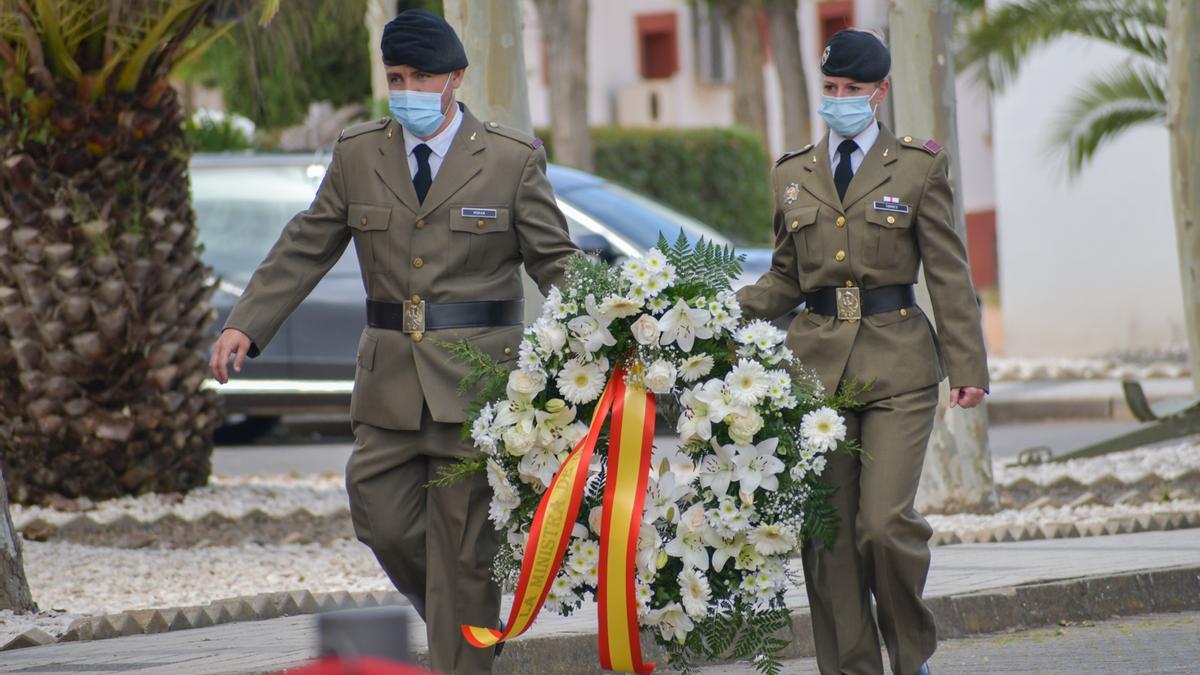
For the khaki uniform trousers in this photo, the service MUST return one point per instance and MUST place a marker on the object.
(435, 543)
(882, 546)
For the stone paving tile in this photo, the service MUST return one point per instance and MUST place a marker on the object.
(268, 645)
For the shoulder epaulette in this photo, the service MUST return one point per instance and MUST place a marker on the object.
(794, 153)
(931, 146)
(362, 128)
(514, 134)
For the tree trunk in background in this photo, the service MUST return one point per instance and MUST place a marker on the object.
(1183, 122)
(14, 590)
(564, 35)
(958, 465)
(378, 13)
(749, 91)
(793, 83)
(495, 86)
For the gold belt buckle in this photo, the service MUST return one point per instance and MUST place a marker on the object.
(414, 317)
(849, 304)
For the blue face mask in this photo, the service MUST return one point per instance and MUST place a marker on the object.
(847, 115)
(418, 111)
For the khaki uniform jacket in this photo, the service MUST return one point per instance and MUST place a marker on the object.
(408, 248)
(821, 241)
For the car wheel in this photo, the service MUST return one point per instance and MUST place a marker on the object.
(242, 430)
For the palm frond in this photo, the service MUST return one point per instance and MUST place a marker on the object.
(997, 42)
(1107, 106)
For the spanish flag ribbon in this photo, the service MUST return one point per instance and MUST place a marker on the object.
(631, 442)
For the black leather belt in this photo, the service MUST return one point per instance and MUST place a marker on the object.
(854, 302)
(421, 316)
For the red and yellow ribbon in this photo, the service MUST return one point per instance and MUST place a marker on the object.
(631, 442)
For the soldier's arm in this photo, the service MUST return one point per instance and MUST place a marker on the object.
(778, 290)
(310, 244)
(944, 257)
(541, 228)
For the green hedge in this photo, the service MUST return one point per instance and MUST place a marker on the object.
(716, 175)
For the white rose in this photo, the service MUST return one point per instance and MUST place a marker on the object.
(551, 335)
(645, 330)
(743, 427)
(594, 518)
(660, 377)
(695, 518)
(519, 439)
(524, 386)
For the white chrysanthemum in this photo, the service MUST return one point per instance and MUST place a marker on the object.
(695, 593)
(683, 325)
(619, 307)
(580, 382)
(822, 429)
(757, 466)
(504, 495)
(772, 539)
(552, 308)
(695, 367)
(528, 358)
(748, 382)
(655, 261)
(659, 304)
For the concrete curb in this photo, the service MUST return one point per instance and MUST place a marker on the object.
(1007, 609)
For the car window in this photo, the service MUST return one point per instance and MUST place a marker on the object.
(241, 211)
(637, 218)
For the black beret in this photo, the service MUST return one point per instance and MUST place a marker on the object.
(424, 41)
(856, 54)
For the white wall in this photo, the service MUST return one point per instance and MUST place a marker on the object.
(1088, 265)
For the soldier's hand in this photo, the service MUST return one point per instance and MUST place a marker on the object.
(232, 342)
(966, 397)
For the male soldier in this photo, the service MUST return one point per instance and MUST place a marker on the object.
(442, 209)
(854, 218)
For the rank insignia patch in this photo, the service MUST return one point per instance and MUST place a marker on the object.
(791, 193)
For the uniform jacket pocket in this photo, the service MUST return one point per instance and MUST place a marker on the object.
(889, 232)
(479, 230)
(366, 351)
(369, 222)
(800, 222)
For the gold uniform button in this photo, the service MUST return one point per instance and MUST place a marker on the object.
(418, 263)
(795, 225)
(507, 351)
(418, 336)
(841, 221)
(363, 220)
(479, 223)
(903, 312)
(420, 224)
(849, 283)
(908, 139)
(493, 125)
(840, 256)
(891, 220)
(808, 310)
(416, 299)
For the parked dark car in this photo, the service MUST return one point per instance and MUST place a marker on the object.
(243, 201)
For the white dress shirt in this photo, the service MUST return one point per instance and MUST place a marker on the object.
(439, 144)
(865, 139)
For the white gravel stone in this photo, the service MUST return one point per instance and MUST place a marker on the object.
(1080, 515)
(1014, 369)
(233, 497)
(1168, 461)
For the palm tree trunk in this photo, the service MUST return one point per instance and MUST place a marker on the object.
(749, 91)
(784, 32)
(958, 466)
(564, 34)
(495, 86)
(14, 590)
(1183, 122)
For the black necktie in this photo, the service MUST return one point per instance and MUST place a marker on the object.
(844, 172)
(424, 177)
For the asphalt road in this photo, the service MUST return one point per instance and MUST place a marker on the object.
(316, 446)
(1153, 643)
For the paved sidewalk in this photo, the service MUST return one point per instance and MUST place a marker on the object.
(1029, 401)
(279, 643)
(1154, 643)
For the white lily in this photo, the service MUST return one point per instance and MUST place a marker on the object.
(724, 549)
(757, 466)
(688, 544)
(663, 497)
(683, 325)
(719, 469)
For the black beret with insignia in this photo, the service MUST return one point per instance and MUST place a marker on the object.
(858, 55)
(424, 41)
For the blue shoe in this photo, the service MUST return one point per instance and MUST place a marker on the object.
(924, 669)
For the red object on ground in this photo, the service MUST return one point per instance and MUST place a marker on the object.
(333, 665)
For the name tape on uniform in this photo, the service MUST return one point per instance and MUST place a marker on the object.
(479, 213)
(891, 204)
